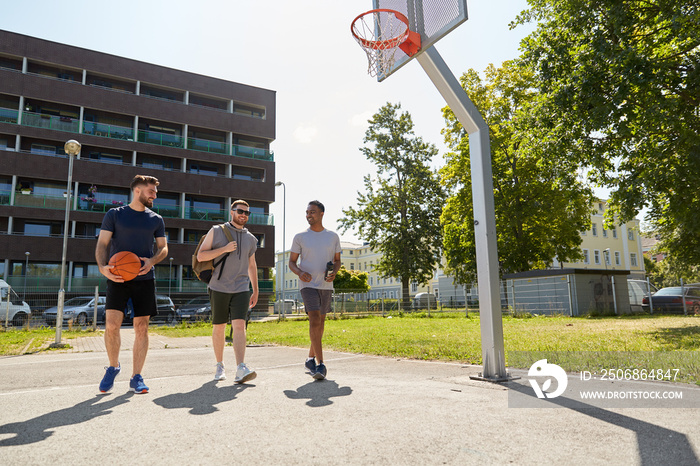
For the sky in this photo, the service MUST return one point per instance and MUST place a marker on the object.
(304, 51)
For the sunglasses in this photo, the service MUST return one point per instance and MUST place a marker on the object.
(243, 212)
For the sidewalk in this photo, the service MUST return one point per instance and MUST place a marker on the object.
(370, 410)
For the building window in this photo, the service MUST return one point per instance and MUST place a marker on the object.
(586, 257)
(617, 257)
(630, 235)
(414, 287)
(633, 259)
(605, 233)
(594, 229)
(614, 232)
(352, 266)
(606, 257)
(596, 257)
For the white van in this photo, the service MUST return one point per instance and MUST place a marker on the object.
(17, 312)
(424, 301)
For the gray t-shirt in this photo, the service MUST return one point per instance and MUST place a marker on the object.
(316, 249)
(234, 278)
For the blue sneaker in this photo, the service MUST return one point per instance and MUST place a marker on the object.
(108, 380)
(310, 365)
(136, 384)
(321, 372)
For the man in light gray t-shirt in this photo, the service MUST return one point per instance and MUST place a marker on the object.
(315, 258)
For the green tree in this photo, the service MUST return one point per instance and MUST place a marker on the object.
(351, 281)
(620, 85)
(541, 204)
(399, 212)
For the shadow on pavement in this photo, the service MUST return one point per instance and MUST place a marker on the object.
(38, 429)
(655, 444)
(319, 393)
(203, 399)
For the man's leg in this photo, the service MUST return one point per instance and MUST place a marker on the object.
(316, 327)
(218, 341)
(113, 341)
(239, 339)
(140, 343)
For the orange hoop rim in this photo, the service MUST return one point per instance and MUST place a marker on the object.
(386, 43)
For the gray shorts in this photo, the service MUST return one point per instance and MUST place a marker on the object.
(317, 300)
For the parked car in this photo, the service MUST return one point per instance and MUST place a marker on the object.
(166, 310)
(198, 308)
(424, 301)
(670, 299)
(80, 310)
(17, 312)
(638, 290)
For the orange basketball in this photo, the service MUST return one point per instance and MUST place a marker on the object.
(126, 265)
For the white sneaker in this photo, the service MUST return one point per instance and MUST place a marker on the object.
(220, 371)
(244, 374)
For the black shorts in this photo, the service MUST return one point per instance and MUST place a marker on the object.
(228, 306)
(141, 292)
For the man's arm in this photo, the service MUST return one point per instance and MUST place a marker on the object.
(336, 267)
(253, 275)
(102, 256)
(206, 253)
(161, 253)
(303, 276)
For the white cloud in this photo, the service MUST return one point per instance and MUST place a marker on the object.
(361, 118)
(305, 134)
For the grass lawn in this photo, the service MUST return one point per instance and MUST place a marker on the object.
(579, 343)
(585, 343)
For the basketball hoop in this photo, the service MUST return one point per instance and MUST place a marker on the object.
(380, 33)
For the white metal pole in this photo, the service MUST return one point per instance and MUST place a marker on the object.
(72, 148)
(492, 346)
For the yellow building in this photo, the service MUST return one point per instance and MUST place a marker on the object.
(617, 249)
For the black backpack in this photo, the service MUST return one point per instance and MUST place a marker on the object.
(205, 270)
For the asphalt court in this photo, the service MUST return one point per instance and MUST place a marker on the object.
(370, 410)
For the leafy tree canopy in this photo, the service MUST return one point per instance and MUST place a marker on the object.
(541, 203)
(398, 213)
(350, 281)
(620, 85)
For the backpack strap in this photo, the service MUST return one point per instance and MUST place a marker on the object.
(222, 261)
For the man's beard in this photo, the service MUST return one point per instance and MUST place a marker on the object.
(146, 201)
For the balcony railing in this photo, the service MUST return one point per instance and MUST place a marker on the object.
(216, 215)
(161, 139)
(167, 211)
(92, 204)
(41, 120)
(39, 200)
(95, 205)
(205, 145)
(253, 152)
(5, 197)
(8, 115)
(108, 131)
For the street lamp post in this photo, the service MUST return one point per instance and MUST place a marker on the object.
(170, 275)
(72, 148)
(26, 272)
(284, 250)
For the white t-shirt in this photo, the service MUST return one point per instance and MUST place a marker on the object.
(316, 249)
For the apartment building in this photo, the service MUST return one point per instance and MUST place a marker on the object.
(206, 139)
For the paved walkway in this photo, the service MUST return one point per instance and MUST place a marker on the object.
(370, 410)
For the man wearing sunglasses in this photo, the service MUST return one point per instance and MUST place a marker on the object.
(229, 291)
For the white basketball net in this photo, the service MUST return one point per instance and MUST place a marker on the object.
(380, 33)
